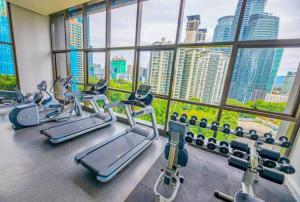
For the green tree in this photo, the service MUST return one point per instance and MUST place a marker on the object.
(7, 82)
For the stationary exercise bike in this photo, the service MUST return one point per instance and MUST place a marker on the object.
(177, 157)
(31, 114)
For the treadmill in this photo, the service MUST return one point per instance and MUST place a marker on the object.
(111, 156)
(73, 128)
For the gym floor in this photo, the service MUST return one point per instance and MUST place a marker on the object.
(32, 169)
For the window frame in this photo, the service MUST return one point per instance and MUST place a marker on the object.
(294, 116)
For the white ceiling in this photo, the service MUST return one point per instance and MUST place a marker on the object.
(46, 7)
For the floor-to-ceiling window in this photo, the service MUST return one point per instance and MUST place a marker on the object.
(234, 61)
(8, 78)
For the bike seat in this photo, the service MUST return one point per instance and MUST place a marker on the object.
(243, 197)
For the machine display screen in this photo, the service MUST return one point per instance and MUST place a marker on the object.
(143, 90)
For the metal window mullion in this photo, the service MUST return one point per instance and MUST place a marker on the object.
(85, 44)
(232, 60)
(107, 39)
(171, 86)
(66, 27)
(136, 44)
(13, 44)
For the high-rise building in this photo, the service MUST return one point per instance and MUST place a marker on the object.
(275, 67)
(143, 74)
(192, 28)
(288, 83)
(160, 67)
(76, 42)
(6, 53)
(255, 68)
(201, 35)
(118, 68)
(222, 31)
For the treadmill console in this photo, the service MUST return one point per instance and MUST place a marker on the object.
(100, 84)
(99, 88)
(142, 92)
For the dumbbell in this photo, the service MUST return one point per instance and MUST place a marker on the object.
(269, 163)
(239, 154)
(193, 120)
(285, 166)
(269, 139)
(226, 128)
(174, 116)
(189, 137)
(239, 131)
(203, 123)
(211, 143)
(253, 135)
(214, 125)
(183, 118)
(224, 147)
(200, 140)
(284, 142)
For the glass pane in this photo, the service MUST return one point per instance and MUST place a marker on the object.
(96, 25)
(123, 22)
(4, 23)
(160, 108)
(263, 78)
(200, 73)
(195, 110)
(61, 65)
(75, 28)
(115, 96)
(155, 69)
(159, 22)
(58, 32)
(270, 20)
(7, 72)
(261, 124)
(76, 66)
(96, 65)
(202, 24)
(121, 69)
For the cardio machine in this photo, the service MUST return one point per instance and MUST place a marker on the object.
(111, 156)
(31, 113)
(177, 157)
(98, 119)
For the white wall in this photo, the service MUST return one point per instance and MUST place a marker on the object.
(293, 181)
(33, 50)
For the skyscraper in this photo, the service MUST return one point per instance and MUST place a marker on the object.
(222, 31)
(76, 42)
(192, 28)
(160, 69)
(254, 68)
(118, 68)
(288, 82)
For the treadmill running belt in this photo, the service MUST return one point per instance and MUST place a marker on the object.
(105, 156)
(73, 127)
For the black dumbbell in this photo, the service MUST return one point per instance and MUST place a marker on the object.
(193, 120)
(200, 140)
(214, 125)
(226, 128)
(269, 139)
(211, 143)
(285, 166)
(284, 142)
(174, 116)
(239, 154)
(239, 131)
(253, 135)
(189, 137)
(224, 147)
(269, 163)
(183, 118)
(203, 123)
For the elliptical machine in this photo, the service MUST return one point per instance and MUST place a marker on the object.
(177, 157)
(31, 114)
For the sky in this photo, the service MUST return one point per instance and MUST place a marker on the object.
(159, 20)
